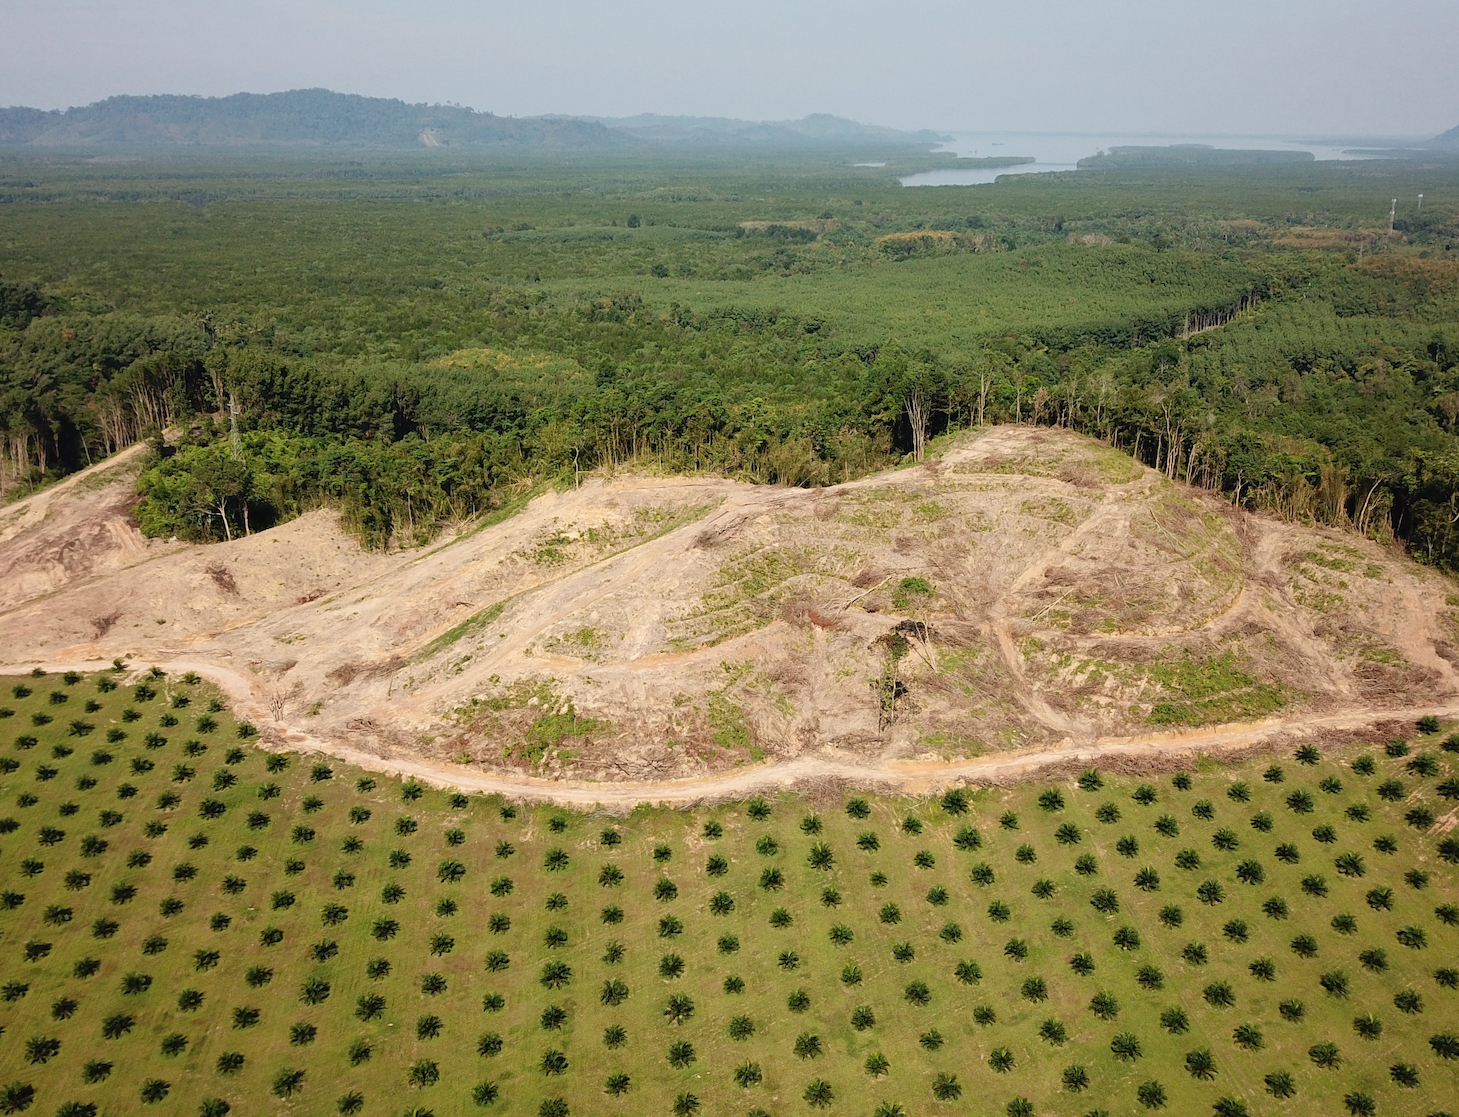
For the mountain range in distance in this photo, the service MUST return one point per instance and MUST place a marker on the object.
(321, 118)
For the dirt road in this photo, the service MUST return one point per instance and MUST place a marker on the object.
(826, 765)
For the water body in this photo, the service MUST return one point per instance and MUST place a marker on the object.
(1061, 151)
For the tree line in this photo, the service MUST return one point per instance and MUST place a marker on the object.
(1301, 400)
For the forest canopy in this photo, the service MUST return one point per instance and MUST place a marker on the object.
(420, 344)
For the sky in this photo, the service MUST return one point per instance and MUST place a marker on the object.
(1354, 68)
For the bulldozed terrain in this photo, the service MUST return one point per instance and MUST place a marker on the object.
(1024, 588)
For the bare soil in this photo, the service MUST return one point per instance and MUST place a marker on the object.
(674, 639)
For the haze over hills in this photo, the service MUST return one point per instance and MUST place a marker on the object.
(1449, 139)
(816, 129)
(320, 117)
(300, 116)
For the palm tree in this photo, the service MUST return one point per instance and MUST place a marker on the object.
(819, 1094)
(679, 1008)
(1151, 1095)
(423, 1073)
(1279, 1084)
(1201, 1064)
(681, 1054)
(945, 1087)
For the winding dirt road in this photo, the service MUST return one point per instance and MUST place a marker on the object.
(827, 765)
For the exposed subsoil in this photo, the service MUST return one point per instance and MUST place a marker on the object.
(674, 639)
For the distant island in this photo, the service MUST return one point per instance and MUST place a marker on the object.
(321, 118)
(1189, 155)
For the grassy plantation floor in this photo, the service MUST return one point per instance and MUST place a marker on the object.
(190, 924)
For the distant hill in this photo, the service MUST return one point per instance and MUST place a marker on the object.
(1189, 155)
(1449, 139)
(315, 117)
(818, 129)
(319, 117)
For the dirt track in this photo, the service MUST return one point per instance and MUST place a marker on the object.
(1150, 751)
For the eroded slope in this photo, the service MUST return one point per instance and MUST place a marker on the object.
(1025, 587)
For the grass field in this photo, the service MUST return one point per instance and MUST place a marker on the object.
(194, 925)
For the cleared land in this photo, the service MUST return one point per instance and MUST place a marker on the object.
(1025, 588)
(198, 924)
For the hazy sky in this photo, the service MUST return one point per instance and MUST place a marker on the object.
(1350, 67)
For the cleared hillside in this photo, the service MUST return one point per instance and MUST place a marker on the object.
(1025, 587)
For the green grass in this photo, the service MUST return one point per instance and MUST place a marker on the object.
(989, 916)
(1210, 691)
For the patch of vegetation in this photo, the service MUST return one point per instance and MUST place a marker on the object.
(554, 718)
(744, 595)
(471, 625)
(584, 643)
(1210, 690)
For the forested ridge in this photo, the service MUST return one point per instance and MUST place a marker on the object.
(415, 356)
(322, 117)
(298, 116)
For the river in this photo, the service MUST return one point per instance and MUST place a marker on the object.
(1061, 151)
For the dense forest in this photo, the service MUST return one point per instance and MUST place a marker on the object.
(421, 342)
